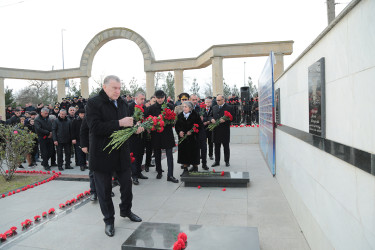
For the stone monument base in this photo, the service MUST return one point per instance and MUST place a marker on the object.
(163, 235)
(210, 179)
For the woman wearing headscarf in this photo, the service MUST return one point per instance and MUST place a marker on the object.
(188, 149)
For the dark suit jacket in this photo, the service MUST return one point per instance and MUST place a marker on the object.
(103, 119)
(221, 132)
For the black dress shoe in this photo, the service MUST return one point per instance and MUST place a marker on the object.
(147, 168)
(211, 158)
(205, 167)
(131, 216)
(109, 230)
(186, 171)
(94, 197)
(172, 179)
(182, 166)
(215, 164)
(227, 164)
(193, 169)
(61, 169)
(159, 176)
(83, 168)
(135, 181)
(141, 176)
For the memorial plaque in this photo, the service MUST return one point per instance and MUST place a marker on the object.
(317, 104)
(210, 179)
(199, 237)
(277, 104)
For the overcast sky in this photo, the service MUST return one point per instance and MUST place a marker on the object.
(31, 33)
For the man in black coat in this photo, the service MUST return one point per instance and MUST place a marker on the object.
(207, 116)
(221, 132)
(43, 128)
(137, 142)
(15, 119)
(105, 114)
(202, 135)
(75, 135)
(164, 140)
(61, 138)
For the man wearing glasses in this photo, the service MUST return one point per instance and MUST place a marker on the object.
(222, 132)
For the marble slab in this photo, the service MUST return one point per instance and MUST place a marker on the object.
(210, 179)
(163, 235)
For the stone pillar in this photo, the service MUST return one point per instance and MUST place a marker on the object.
(2, 99)
(278, 68)
(60, 89)
(150, 84)
(217, 76)
(85, 87)
(178, 83)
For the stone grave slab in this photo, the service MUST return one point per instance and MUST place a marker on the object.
(210, 179)
(163, 235)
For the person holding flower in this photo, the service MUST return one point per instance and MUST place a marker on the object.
(221, 133)
(164, 139)
(188, 148)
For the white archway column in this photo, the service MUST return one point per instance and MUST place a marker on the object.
(217, 75)
(278, 68)
(60, 89)
(85, 87)
(150, 84)
(178, 83)
(2, 99)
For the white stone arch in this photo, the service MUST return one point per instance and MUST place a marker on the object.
(111, 34)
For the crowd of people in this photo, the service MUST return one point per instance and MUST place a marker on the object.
(83, 129)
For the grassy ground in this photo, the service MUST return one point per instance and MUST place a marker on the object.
(19, 181)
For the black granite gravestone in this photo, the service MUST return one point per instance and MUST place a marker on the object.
(163, 235)
(210, 179)
(317, 100)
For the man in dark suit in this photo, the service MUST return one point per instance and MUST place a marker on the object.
(221, 132)
(164, 140)
(202, 135)
(207, 116)
(106, 113)
(137, 142)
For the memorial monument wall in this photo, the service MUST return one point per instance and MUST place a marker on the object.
(328, 178)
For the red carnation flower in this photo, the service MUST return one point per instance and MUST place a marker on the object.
(9, 194)
(199, 187)
(44, 214)
(62, 205)
(224, 189)
(222, 173)
(3, 195)
(177, 246)
(213, 170)
(67, 203)
(37, 218)
(7, 171)
(3, 237)
(51, 211)
(182, 236)
(8, 233)
(13, 229)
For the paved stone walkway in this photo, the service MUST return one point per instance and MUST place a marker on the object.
(261, 205)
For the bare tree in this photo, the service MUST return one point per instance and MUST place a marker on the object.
(208, 90)
(158, 76)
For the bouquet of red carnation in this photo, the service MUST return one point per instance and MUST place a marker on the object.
(203, 107)
(3, 237)
(138, 113)
(119, 137)
(194, 129)
(227, 117)
(169, 116)
(37, 218)
(51, 211)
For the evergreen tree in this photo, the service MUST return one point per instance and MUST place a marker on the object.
(226, 89)
(208, 90)
(194, 87)
(168, 86)
(235, 90)
(9, 97)
(253, 88)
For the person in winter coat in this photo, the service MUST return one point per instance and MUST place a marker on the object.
(61, 139)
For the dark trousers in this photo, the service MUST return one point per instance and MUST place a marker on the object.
(137, 148)
(226, 151)
(210, 143)
(103, 183)
(203, 146)
(80, 156)
(46, 146)
(148, 146)
(92, 182)
(66, 147)
(169, 154)
(53, 154)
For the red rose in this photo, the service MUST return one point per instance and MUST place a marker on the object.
(224, 189)
(199, 187)
(182, 236)
(222, 173)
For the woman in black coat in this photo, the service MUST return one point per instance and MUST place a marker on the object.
(189, 149)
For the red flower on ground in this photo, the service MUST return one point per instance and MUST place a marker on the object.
(13, 229)
(213, 170)
(3, 195)
(44, 214)
(62, 205)
(37, 218)
(8, 233)
(222, 173)
(223, 189)
(3, 237)
(67, 203)
(199, 187)
(182, 236)
(51, 211)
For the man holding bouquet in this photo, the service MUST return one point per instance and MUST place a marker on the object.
(221, 133)
(106, 113)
